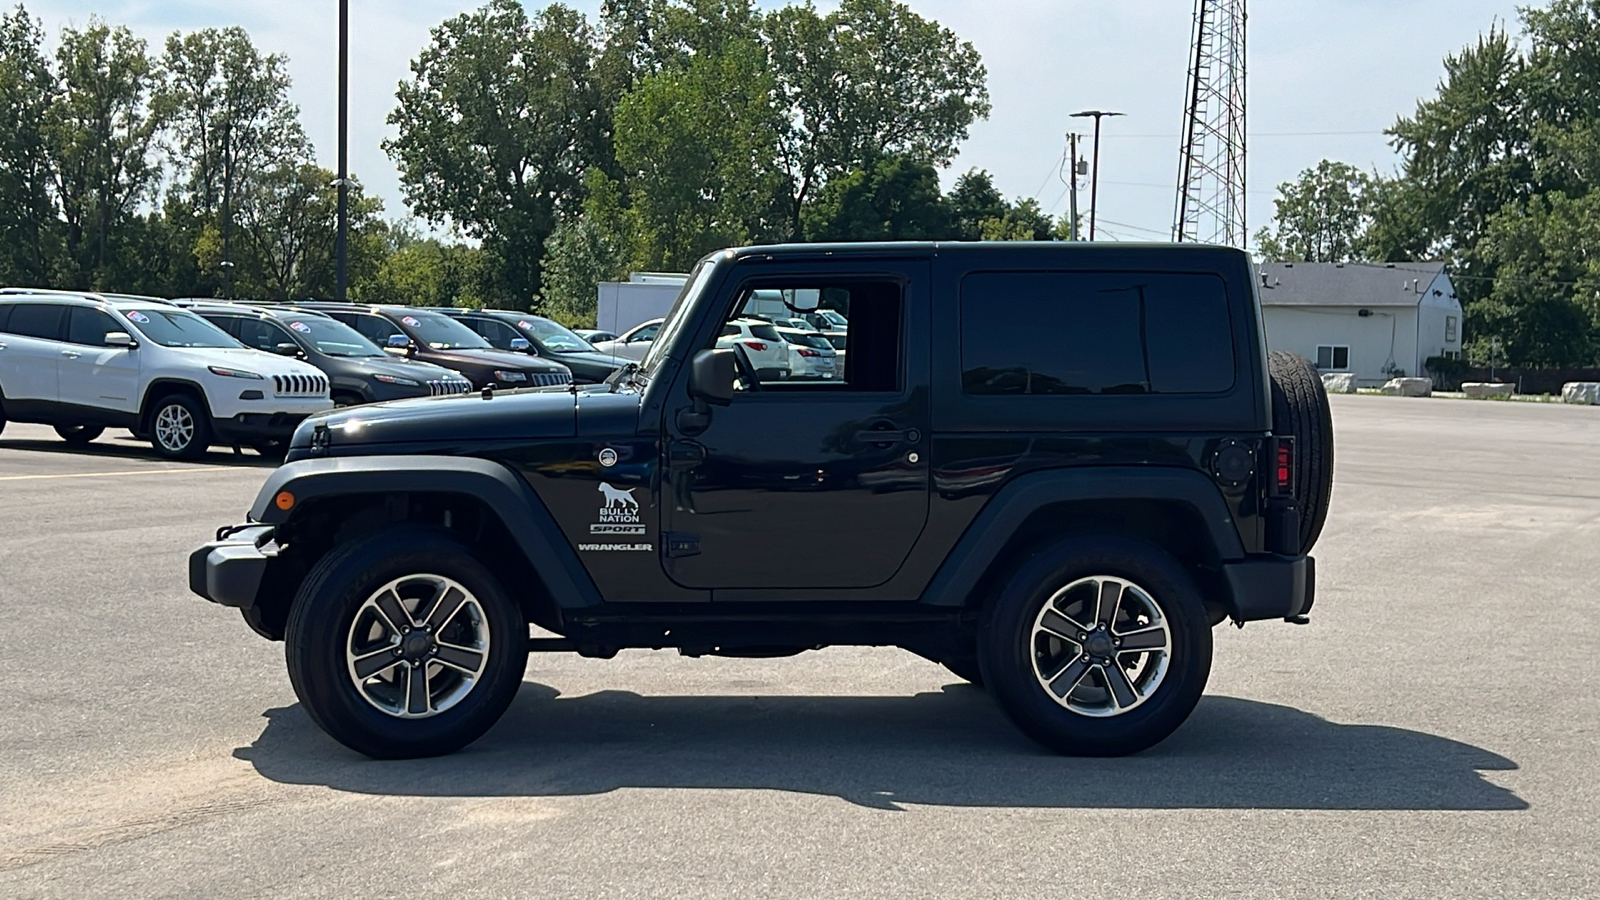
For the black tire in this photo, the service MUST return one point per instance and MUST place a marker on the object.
(319, 632)
(1010, 650)
(345, 398)
(199, 434)
(79, 434)
(273, 450)
(965, 668)
(1300, 409)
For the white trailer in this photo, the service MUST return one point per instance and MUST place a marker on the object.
(644, 296)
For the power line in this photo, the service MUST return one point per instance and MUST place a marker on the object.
(1268, 134)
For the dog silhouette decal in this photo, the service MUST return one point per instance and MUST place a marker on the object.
(616, 497)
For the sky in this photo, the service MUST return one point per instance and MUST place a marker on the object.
(1326, 77)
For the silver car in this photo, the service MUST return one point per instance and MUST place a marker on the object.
(810, 355)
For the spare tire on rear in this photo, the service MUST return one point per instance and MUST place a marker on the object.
(1300, 410)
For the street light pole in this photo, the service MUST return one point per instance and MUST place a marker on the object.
(1094, 179)
(341, 242)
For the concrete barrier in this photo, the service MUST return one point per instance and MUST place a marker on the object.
(1339, 382)
(1583, 392)
(1487, 389)
(1409, 387)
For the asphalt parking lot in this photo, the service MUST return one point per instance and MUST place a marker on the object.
(1432, 734)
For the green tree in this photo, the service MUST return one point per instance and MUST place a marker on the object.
(496, 128)
(896, 199)
(1322, 216)
(285, 240)
(582, 252)
(1024, 221)
(870, 78)
(696, 146)
(973, 200)
(418, 271)
(227, 114)
(1542, 304)
(27, 91)
(100, 134)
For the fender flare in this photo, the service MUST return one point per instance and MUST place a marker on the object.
(989, 534)
(495, 484)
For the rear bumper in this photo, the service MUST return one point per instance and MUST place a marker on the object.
(228, 571)
(1272, 587)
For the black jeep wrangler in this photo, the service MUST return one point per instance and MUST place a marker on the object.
(1053, 468)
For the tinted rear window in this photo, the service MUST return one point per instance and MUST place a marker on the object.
(1095, 333)
(37, 320)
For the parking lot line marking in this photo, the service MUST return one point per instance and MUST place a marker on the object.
(113, 474)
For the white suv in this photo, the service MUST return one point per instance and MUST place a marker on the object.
(762, 345)
(85, 362)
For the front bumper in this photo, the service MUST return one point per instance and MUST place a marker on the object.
(258, 426)
(1272, 587)
(228, 571)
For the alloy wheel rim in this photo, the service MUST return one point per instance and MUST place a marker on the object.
(417, 646)
(1101, 646)
(174, 427)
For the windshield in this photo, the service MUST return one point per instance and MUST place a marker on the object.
(442, 332)
(834, 317)
(811, 339)
(554, 338)
(178, 328)
(332, 338)
(676, 318)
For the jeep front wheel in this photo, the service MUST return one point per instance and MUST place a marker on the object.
(180, 427)
(404, 645)
(1097, 647)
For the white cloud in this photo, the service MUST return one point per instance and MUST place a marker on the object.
(1315, 66)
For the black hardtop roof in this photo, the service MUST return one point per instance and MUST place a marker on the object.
(1078, 252)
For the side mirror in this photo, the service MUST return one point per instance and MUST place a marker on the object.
(521, 345)
(399, 341)
(287, 349)
(120, 339)
(711, 376)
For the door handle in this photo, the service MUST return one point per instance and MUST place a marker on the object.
(71, 354)
(888, 436)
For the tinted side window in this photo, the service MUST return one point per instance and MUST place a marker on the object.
(1095, 333)
(262, 335)
(5, 315)
(90, 326)
(374, 328)
(494, 332)
(36, 320)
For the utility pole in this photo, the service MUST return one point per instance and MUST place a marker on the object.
(341, 243)
(1072, 182)
(1094, 180)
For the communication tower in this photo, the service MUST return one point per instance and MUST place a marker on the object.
(1211, 162)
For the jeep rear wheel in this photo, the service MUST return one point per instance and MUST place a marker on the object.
(180, 427)
(1097, 647)
(1300, 410)
(404, 645)
(79, 434)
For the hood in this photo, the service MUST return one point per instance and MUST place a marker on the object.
(593, 359)
(258, 361)
(414, 369)
(444, 424)
(504, 359)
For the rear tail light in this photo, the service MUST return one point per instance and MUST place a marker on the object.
(1283, 465)
(756, 345)
(809, 353)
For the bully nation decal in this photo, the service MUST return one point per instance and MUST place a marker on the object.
(619, 513)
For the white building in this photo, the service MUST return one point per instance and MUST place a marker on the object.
(1377, 320)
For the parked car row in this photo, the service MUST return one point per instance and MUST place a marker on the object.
(189, 373)
(778, 348)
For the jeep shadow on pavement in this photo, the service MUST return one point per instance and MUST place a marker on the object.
(1053, 468)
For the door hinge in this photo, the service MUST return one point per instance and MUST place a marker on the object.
(680, 544)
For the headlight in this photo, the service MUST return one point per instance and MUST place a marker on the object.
(395, 379)
(233, 373)
(511, 376)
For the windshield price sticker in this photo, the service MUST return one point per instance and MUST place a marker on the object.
(135, 316)
(412, 321)
(301, 327)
